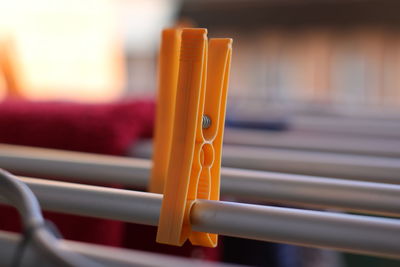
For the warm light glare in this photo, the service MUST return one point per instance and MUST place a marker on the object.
(66, 49)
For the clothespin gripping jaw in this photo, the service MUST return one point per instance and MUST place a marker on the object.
(212, 129)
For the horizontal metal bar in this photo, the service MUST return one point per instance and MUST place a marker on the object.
(343, 166)
(108, 256)
(341, 120)
(351, 233)
(358, 196)
(314, 142)
(381, 127)
(320, 192)
(117, 204)
(357, 167)
(354, 233)
(366, 168)
(74, 165)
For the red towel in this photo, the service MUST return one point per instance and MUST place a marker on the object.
(96, 128)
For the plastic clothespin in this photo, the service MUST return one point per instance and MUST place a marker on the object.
(195, 152)
(168, 64)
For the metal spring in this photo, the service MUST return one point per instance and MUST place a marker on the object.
(206, 122)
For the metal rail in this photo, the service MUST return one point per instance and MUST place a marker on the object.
(353, 233)
(108, 256)
(347, 125)
(53, 162)
(343, 166)
(50, 162)
(355, 167)
(321, 192)
(372, 146)
(339, 121)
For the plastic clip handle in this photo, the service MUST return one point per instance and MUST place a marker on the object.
(194, 166)
(167, 83)
(211, 136)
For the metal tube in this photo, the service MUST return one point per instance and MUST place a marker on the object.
(364, 197)
(343, 166)
(317, 121)
(357, 234)
(108, 256)
(366, 168)
(340, 121)
(74, 165)
(95, 201)
(49, 162)
(341, 125)
(372, 146)
(354, 233)
(374, 198)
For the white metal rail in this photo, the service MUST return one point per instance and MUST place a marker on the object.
(353, 233)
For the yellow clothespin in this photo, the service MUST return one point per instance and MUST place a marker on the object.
(193, 170)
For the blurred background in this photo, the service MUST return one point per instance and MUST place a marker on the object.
(312, 66)
(330, 55)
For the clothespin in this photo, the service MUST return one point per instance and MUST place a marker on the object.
(168, 64)
(193, 170)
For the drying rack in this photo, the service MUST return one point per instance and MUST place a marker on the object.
(344, 232)
(366, 184)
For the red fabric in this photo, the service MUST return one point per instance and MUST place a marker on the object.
(96, 128)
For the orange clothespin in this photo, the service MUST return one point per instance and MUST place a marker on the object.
(168, 64)
(195, 152)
